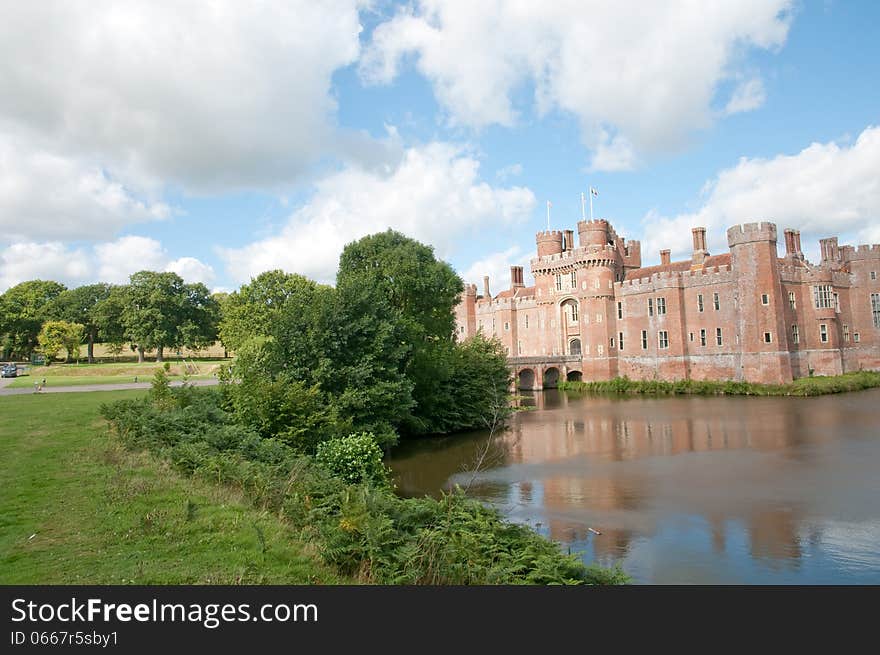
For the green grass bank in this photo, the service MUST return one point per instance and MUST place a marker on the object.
(811, 386)
(78, 508)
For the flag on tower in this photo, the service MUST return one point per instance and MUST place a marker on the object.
(593, 192)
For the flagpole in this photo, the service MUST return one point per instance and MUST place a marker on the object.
(583, 210)
(548, 215)
(591, 203)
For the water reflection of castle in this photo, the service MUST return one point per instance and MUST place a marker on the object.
(583, 475)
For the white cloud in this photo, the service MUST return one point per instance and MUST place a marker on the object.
(46, 195)
(111, 261)
(824, 190)
(192, 270)
(497, 266)
(201, 96)
(646, 71)
(747, 96)
(434, 195)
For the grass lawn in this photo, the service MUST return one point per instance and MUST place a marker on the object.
(65, 375)
(76, 508)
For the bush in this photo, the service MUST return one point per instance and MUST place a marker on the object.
(341, 501)
(356, 458)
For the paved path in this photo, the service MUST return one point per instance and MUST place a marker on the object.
(97, 387)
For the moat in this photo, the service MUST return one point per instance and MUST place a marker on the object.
(716, 490)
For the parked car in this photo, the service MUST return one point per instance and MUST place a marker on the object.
(9, 371)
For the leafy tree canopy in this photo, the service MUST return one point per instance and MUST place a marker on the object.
(22, 312)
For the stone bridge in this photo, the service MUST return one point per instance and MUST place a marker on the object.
(544, 372)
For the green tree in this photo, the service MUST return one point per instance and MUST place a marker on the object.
(79, 305)
(22, 312)
(252, 309)
(55, 335)
(106, 315)
(161, 311)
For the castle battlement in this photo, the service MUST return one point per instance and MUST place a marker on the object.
(750, 233)
(749, 314)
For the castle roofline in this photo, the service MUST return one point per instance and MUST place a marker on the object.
(677, 267)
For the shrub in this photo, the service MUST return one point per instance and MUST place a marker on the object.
(356, 458)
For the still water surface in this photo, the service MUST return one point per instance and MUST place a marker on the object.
(685, 489)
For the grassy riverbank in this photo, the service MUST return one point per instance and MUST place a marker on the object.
(78, 508)
(811, 386)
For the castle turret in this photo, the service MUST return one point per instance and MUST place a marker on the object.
(593, 233)
(549, 242)
(759, 303)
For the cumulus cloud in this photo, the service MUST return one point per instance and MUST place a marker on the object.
(647, 72)
(747, 96)
(46, 195)
(201, 96)
(823, 190)
(434, 195)
(497, 266)
(111, 261)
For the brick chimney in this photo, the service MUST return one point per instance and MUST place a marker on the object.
(516, 277)
(700, 250)
(486, 287)
(665, 257)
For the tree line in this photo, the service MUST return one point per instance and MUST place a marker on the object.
(154, 311)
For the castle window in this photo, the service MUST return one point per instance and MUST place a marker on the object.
(691, 335)
(620, 310)
(873, 275)
(574, 347)
(717, 300)
(703, 337)
(699, 302)
(461, 329)
(663, 339)
(506, 326)
(644, 339)
(584, 284)
(768, 338)
(620, 340)
(718, 339)
(573, 312)
(527, 321)
(611, 343)
(836, 303)
(574, 280)
(598, 318)
(795, 334)
(846, 332)
(600, 350)
(823, 333)
(791, 300)
(519, 347)
(650, 306)
(558, 282)
(596, 283)
(661, 306)
(875, 309)
(857, 337)
(822, 296)
(765, 299)
(610, 284)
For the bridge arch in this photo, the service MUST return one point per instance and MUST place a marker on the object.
(525, 379)
(574, 376)
(551, 377)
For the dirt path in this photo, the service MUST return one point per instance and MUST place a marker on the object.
(96, 387)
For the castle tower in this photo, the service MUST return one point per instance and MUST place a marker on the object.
(593, 233)
(763, 338)
(549, 242)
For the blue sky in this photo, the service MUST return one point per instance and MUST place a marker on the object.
(219, 144)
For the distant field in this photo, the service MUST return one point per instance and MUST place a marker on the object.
(78, 509)
(63, 375)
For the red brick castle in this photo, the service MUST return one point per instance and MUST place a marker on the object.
(596, 313)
